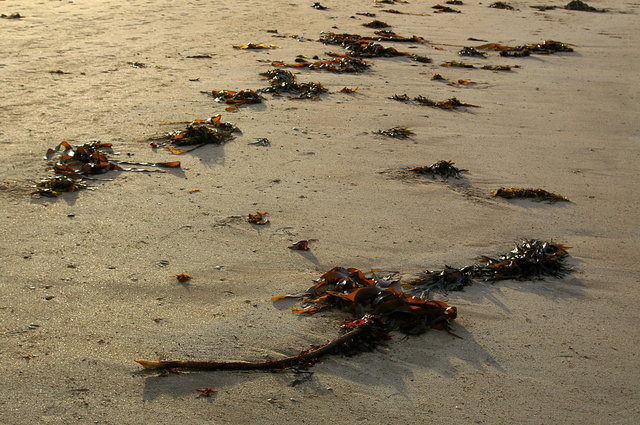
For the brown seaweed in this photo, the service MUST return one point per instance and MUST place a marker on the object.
(386, 35)
(547, 47)
(471, 51)
(53, 186)
(501, 5)
(454, 2)
(396, 132)
(349, 289)
(499, 67)
(451, 103)
(582, 6)
(285, 81)
(443, 169)
(444, 9)
(397, 12)
(258, 218)
(376, 24)
(302, 245)
(236, 98)
(338, 64)
(356, 336)
(530, 260)
(537, 194)
(349, 90)
(318, 6)
(197, 133)
(455, 64)
(11, 16)
(183, 277)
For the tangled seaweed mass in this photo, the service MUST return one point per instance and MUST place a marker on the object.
(529, 260)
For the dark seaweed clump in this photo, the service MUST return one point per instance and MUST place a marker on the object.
(285, 81)
(443, 169)
(530, 260)
(582, 6)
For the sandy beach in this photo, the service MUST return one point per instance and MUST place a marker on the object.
(89, 277)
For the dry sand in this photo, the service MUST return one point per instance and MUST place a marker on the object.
(556, 351)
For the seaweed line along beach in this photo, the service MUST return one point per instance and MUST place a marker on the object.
(371, 212)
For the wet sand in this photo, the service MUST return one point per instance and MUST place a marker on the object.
(88, 278)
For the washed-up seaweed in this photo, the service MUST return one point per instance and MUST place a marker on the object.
(442, 169)
(183, 277)
(437, 77)
(530, 260)
(543, 8)
(262, 141)
(52, 186)
(456, 64)
(547, 47)
(367, 14)
(462, 83)
(349, 289)
(197, 133)
(386, 35)
(455, 2)
(362, 334)
(338, 64)
(582, 6)
(11, 16)
(396, 132)
(501, 5)
(376, 24)
(368, 49)
(236, 98)
(397, 12)
(318, 6)
(285, 81)
(471, 51)
(444, 9)
(302, 245)
(499, 67)
(452, 103)
(255, 46)
(537, 194)
(349, 90)
(258, 218)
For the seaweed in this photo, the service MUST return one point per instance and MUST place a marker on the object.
(547, 47)
(302, 245)
(255, 46)
(531, 259)
(501, 5)
(515, 53)
(499, 67)
(53, 186)
(197, 133)
(318, 6)
(11, 16)
(367, 14)
(451, 103)
(285, 81)
(471, 51)
(443, 169)
(537, 194)
(456, 64)
(444, 9)
(356, 336)
(349, 90)
(376, 24)
(263, 141)
(386, 35)
(454, 2)
(463, 83)
(349, 289)
(582, 6)
(396, 132)
(258, 218)
(183, 277)
(236, 98)
(338, 64)
(397, 12)
(437, 77)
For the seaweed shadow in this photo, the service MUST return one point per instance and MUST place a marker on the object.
(186, 384)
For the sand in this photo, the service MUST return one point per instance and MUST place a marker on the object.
(88, 279)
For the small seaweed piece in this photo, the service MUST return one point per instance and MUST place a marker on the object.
(197, 133)
(236, 98)
(183, 277)
(444, 169)
(285, 81)
(349, 90)
(400, 97)
(12, 16)
(396, 132)
(582, 6)
(444, 9)
(452, 103)
(263, 141)
(367, 14)
(376, 24)
(255, 46)
(438, 77)
(386, 35)
(499, 67)
(501, 5)
(537, 194)
(455, 64)
(448, 279)
(53, 186)
(454, 2)
(258, 218)
(318, 6)
(397, 12)
(302, 245)
(206, 392)
(471, 51)
(516, 53)
(548, 47)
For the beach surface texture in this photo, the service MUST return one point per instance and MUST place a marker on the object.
(163, 264)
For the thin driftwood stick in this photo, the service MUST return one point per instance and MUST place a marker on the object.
(302, 358)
